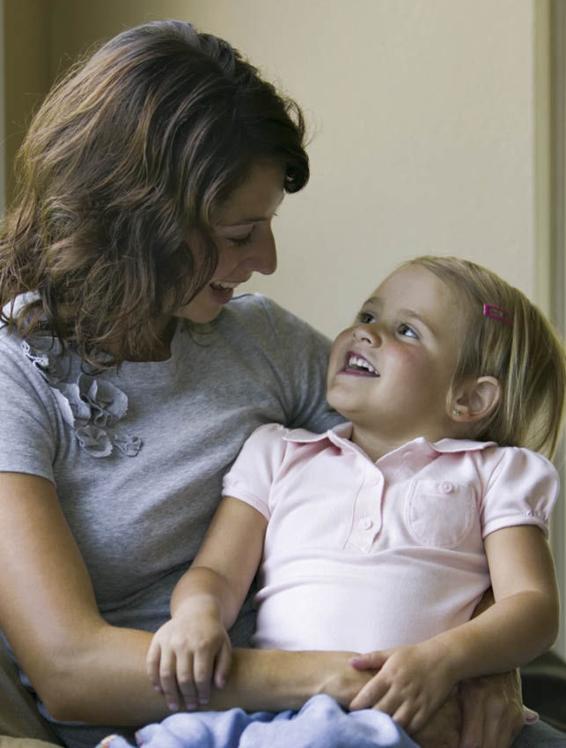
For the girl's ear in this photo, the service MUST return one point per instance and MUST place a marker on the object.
(474, 400)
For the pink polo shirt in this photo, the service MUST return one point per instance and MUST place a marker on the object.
(361, 555)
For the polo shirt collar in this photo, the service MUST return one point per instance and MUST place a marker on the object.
(340, 437)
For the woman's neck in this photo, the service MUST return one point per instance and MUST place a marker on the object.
(158, 350)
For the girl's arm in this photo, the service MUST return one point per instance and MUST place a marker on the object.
(413, 681)
(193, 647)
(523, 622)
(226, 563)
(86, 670)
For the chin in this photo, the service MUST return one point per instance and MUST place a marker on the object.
(199, 316)
(339, 404)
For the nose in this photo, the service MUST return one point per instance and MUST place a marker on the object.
(262, 257)
(367, 334)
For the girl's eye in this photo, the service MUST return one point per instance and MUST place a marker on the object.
(407, 331)
(366, 318)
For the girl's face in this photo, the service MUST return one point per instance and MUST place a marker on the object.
(242, 230)
(392, 371)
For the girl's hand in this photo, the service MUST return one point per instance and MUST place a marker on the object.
(411, 683)
(185, 654)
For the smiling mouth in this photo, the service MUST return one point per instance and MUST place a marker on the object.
(223, 285)
(356, 364)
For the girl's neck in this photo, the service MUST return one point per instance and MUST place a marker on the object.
(376, 444)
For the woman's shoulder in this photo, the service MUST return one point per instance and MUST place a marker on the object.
(276, 327)
(260, 310)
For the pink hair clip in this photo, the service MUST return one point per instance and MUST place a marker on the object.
(496, 313)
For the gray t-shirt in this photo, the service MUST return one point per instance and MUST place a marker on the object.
(137, 454)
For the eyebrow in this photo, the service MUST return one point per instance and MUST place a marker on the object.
(244, 222)
(253, 219)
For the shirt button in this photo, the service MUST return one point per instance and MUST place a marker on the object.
(447, 487)
(365, 523)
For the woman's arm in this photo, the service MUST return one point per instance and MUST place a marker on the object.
(86, 670)
(77, 663)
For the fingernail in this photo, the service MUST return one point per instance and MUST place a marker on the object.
(530, 716)
(191, 706)
(203, 702)
(172, 706)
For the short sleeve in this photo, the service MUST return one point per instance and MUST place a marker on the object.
(522, 490)
(28, 430)
(253, 473)
(301, 353)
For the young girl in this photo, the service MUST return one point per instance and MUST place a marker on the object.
(451, 379)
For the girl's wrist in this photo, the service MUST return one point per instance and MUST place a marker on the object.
(199, 604)
(448, 653)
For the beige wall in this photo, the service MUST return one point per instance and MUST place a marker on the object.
(26, 62)
(422, 121)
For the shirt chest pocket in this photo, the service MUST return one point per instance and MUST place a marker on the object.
(439, 513)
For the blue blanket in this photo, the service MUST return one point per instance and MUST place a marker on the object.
(321, 723)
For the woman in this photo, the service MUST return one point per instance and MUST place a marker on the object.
(149, 181)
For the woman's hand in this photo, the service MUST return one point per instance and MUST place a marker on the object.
(443, 729)
(185, 654)
(412, 682)
(492, 710)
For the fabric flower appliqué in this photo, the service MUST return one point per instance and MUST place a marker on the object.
(90, 405)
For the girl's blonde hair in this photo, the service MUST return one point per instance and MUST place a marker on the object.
(514, 343)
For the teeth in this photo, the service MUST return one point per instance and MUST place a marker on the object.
(224, 285)
(357, 362)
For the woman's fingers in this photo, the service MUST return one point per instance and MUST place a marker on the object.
(492, 712)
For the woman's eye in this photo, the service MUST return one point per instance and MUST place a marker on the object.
(407, 331)
(241, 241)
(366, 318)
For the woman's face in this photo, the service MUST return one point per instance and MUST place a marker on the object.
(242, 231)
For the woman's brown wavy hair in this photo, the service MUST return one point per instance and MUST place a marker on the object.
(131, 149)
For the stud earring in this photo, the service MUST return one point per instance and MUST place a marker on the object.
(456, 412)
